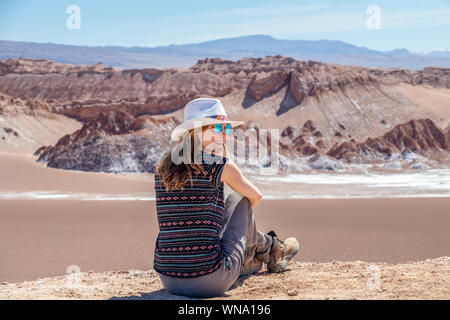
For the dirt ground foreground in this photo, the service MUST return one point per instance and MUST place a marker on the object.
(429, 279)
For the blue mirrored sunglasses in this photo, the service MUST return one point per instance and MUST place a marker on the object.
(218, 128)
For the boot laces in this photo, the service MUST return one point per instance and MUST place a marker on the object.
(282, 244)
(274, 236)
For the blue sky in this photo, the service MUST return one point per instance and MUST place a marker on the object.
(416, 25)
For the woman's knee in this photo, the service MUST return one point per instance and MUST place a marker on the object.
(236, 201)
(232, 198)
(247, 205)
(247, 202)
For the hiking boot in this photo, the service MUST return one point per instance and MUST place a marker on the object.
(281, 252)
(252, 266)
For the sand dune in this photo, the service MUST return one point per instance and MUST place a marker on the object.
(21, 173)
(434, 100)
(26, 125)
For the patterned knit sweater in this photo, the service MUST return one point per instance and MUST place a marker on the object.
(190, 220)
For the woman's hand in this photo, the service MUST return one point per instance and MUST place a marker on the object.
(233, 177)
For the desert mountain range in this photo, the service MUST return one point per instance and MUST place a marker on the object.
(99, 118)
(258, 45)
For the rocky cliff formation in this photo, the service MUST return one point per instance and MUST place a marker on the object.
(420, 136)
(84, 91)
(113, 142)
(326, 113)
(119, 142)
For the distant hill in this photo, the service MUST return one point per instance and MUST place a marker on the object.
(186, 55)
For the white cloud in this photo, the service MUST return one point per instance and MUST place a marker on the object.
(437, 50)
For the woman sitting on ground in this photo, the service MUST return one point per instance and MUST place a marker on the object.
(205, 241)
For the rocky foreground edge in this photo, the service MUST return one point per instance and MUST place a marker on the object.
(429, 279)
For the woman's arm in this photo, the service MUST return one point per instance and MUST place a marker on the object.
(233, 177)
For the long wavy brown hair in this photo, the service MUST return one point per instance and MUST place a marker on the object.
(175, 176)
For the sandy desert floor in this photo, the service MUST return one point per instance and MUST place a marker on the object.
(42, 238)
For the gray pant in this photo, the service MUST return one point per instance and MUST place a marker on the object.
(240, 243)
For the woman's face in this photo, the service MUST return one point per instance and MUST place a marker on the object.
(211, 141)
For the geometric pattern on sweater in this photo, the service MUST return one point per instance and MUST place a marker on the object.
(190, 220)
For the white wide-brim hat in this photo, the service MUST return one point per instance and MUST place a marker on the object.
(201, 112)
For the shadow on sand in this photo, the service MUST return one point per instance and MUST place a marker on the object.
(163, 294)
